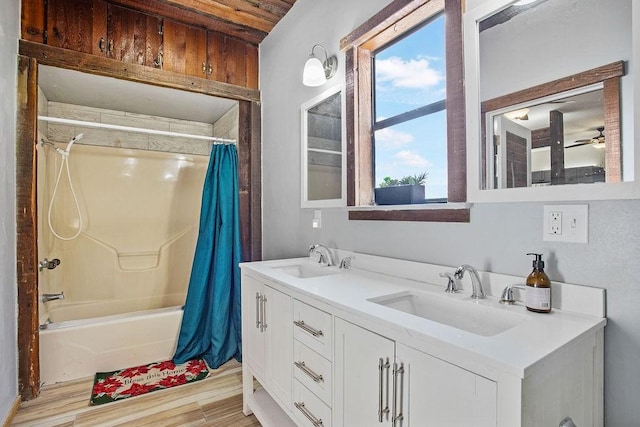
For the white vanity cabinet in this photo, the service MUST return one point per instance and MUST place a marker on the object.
(268, 337)
(380, 382)
(328, 353)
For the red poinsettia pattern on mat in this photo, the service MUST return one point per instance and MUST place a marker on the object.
(116, 385)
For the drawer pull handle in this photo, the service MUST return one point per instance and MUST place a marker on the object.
(315, 332)
(315, 377)
(315, 421)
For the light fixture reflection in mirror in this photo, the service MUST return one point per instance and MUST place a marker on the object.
(556, 141)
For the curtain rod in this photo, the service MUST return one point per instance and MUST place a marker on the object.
(134, 129)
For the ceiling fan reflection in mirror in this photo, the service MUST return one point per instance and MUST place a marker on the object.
(598, 140)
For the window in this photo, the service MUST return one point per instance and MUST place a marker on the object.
(410, 124)
(368, 158)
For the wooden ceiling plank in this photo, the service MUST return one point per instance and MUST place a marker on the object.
(277, 7)
(256, 8)
(187, 16)
(218, 10)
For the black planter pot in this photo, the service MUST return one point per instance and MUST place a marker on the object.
(400, 195)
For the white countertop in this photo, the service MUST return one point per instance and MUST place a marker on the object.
(516, 351)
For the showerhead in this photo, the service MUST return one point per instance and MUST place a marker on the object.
(75, 139)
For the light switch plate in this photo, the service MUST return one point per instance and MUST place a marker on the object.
(566, 223)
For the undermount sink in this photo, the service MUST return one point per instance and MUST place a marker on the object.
(467, 315)
(306, 270)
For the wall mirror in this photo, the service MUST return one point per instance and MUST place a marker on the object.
(323, 160)
(549, 103)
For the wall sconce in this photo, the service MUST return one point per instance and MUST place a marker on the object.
(316, 73)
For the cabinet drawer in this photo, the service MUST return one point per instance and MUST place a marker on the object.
(308, 409)
(313, 328)
(312, 370)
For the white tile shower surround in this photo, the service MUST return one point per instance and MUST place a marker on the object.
(62, 133)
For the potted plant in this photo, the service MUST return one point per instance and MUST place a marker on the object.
(404, 191)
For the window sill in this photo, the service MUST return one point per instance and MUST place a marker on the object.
(435, 212)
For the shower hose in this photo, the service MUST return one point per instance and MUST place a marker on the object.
(64, 154)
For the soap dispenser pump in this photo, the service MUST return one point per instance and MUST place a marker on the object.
(538, 293)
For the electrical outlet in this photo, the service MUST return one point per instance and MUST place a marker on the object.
(555, 223)
(316, 222)
(566, 223)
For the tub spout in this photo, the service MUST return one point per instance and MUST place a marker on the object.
(51, 297)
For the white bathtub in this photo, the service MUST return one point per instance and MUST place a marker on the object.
(79, 348)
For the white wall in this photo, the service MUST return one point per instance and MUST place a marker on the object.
(498, 235)
(9, 27)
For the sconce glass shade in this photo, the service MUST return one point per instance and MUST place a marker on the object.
(316, 72)
(313, 74)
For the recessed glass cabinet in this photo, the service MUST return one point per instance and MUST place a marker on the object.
(323, 180)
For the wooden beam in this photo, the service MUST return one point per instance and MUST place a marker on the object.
(226, 13)
(350, 118)
(540, 138)
(585, 78)
(380, 21)
(556, 137)
(27, 229)
(456, 115)
(87, 63)
(613, 146)
(192, 17)
(436, 215)
(256, 181)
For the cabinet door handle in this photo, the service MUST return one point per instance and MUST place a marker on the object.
(315, 421)
(264, 313)
(204, 68)
(210, 69)
(110, 48)
(315, 377)
(258, 315)
(382, 365)
(398, 389)
(101, 44)
(315, 332)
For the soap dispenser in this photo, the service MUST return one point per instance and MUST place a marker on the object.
(538, 293)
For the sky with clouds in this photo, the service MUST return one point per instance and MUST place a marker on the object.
(411, 74)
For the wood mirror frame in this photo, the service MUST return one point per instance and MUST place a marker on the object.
(609, 75)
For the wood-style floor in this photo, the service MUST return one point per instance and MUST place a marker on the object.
(214, 401)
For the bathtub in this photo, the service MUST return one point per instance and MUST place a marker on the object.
(73, 349)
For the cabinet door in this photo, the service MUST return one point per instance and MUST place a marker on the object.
(253, 339)
(77, 25)
(133, 37)
(358, 378)
(279, 343)
(437, 393)
(228, 60)
(185, 49)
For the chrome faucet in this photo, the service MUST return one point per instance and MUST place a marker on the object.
(476, 284)
(51, 297)
(325, 254)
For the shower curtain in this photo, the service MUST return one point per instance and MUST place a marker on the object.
(211, 325)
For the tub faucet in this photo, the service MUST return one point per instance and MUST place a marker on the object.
(51, 297)
(476, 284)
(325, 254)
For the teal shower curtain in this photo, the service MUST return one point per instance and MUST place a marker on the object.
(211, 321)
